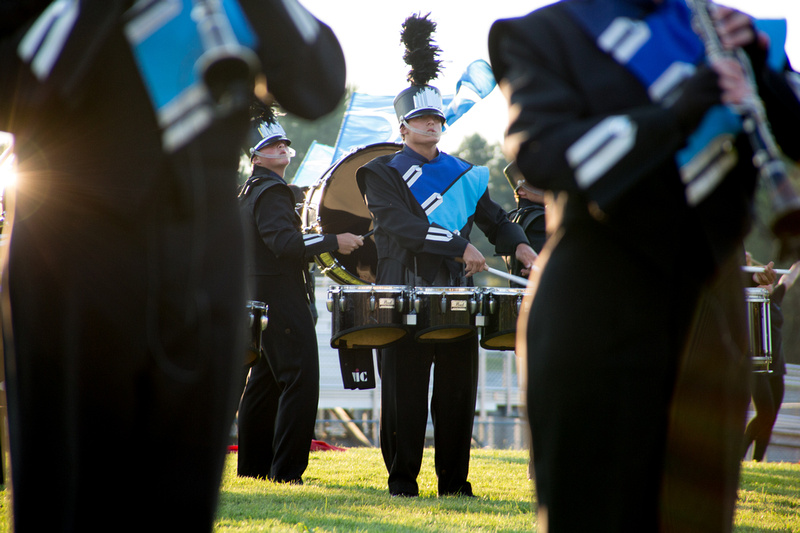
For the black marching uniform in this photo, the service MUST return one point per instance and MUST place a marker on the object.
(279, 405)
(616, 303)
(413, 251)
(530, 216)
(124, 297)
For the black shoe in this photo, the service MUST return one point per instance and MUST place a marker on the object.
(404, 494)
(464, 490)
(294, 481)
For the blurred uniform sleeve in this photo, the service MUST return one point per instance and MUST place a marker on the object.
(301, 57)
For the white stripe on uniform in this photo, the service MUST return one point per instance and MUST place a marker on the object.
(438, 234)
(601, 148)
(310, 239)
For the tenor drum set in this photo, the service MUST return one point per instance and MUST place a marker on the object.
(374, 316)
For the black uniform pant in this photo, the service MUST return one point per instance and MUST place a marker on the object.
(278, 409)
(707, 413)
(768, 391)
(405, 370)
(126, 341)
(630, 422)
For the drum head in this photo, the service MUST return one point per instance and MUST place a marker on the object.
(334, 205)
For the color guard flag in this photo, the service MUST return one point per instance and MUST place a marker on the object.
(368, 120)
(318, 159)
(371, 119)
(475, 84)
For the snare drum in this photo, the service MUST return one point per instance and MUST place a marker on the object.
(257, 312)
(444, 314)
(758, 321)
(367, 316)
(501, 309)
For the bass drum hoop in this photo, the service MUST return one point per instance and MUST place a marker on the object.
(336, 191)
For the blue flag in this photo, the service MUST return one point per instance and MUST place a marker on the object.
(371, 119)
(475, 84)
(368, 120)
(318, 159)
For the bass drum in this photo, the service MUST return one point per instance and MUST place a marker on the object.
(334, 205)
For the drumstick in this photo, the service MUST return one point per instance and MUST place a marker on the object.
(762, 269)
(511, 277)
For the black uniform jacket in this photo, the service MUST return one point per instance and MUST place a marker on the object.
(564, 85)
(403, 233)
(273, 227)
(531, 218)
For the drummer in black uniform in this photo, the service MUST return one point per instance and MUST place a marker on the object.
(430, 248)
(279, 406)
(529, 214)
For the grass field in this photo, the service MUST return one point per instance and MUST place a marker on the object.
(346, 492)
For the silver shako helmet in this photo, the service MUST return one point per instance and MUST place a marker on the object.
(420, 98)
(269, 133)
(265, 129)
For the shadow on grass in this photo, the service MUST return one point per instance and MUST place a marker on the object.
(348, 507)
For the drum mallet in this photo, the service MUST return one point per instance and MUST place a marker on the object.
(510, 277)
(755, 269)
(516, 279)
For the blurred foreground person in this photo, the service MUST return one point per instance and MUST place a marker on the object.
(636, 338)
(124, 297)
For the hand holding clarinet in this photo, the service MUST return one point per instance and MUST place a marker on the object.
(726, 33)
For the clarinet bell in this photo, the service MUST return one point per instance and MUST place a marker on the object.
(226, 66)
(224, 69)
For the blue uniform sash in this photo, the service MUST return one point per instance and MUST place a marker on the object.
(661, 49)
(447, 188)
(166, 44)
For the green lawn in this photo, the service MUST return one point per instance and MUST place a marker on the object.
(346, 491)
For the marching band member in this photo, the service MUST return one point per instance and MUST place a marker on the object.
(637, 369)
(278, 409)
(125, 274)
(767, 388)
(424, 203)
(529, 214)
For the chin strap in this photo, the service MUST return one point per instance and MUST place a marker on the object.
(437, 135)
(290, 153)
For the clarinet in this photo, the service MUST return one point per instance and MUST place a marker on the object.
(226, 67)
(767, 155)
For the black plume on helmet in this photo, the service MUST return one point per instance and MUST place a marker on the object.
(420, 52)
(261, 112)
